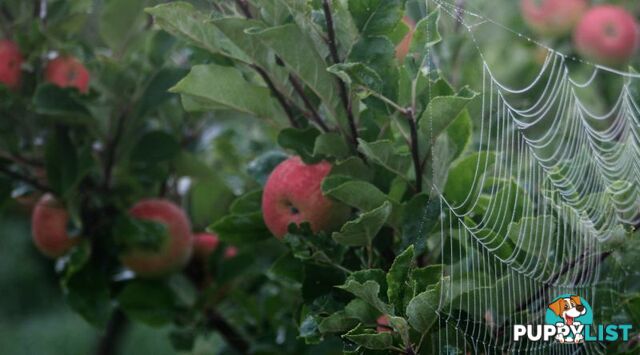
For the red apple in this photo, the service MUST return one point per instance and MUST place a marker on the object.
(49, 223)
(383, 324)
(402, 49)
(175, 250)
(293, 194)
(66, 72)
(553, 17)
(204, 244)
(10, 62)
(607, 35)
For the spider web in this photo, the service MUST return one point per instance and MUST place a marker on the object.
(555, 179)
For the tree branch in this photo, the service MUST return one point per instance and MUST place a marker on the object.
(279, 96)
(342, 87)
(297, 86)
(415, 149)
(217, 322)
(26, 179)
(110, 340)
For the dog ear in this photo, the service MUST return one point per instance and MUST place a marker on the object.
(576, 299)
(557, 307)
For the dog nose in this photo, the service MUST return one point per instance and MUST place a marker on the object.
(580, 308)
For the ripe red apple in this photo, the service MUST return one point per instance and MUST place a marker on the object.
(204, 244)
(10, 62)
(67, 71)
(175, 250)
(607, 34)
(553, 18)
(402, 49)
(383, 324)
(293, 194)
(49, 223)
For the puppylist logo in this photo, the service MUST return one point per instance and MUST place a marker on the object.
(569, 320)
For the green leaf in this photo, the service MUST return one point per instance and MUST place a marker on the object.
(421, 215)
(247, 203)
(362, 311)
(148, 302)
(182, 20)
(459, 134)
(378, 53)
(120, 20)
(87, 292)
(208, 200)
(155, 147)
(383, 153)
(225, 86)
(369, 338)
(297, 51)
(355, 193)
(376, 17)
(331, 144)
(157, 91)
(422, 309)
(313, 248)
(288, 270)
(426, 34)
(261, 167)
(427, 276)
(61, 162)
(338, 322)
(358, 74)
(134, 234)
(362, 230)
(352, 167)
(301, 141)
(369, 292)
(240, 229)
(398, 279)
(64, 103)
(462, 179)
(441, 112)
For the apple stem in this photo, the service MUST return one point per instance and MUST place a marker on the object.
(342, 87)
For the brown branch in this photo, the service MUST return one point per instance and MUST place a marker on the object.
(278, 95)
(110, 340)
(342, 87)
(244, 7)
(26, 179)
(297, 86)
(216, 321)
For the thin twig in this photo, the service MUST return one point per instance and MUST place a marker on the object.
(342, 87)
(279, 96)
(299, 89)
(415, 149)
(26, 179)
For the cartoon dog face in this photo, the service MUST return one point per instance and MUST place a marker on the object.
(568, 308)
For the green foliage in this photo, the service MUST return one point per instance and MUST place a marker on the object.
(197, 102)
